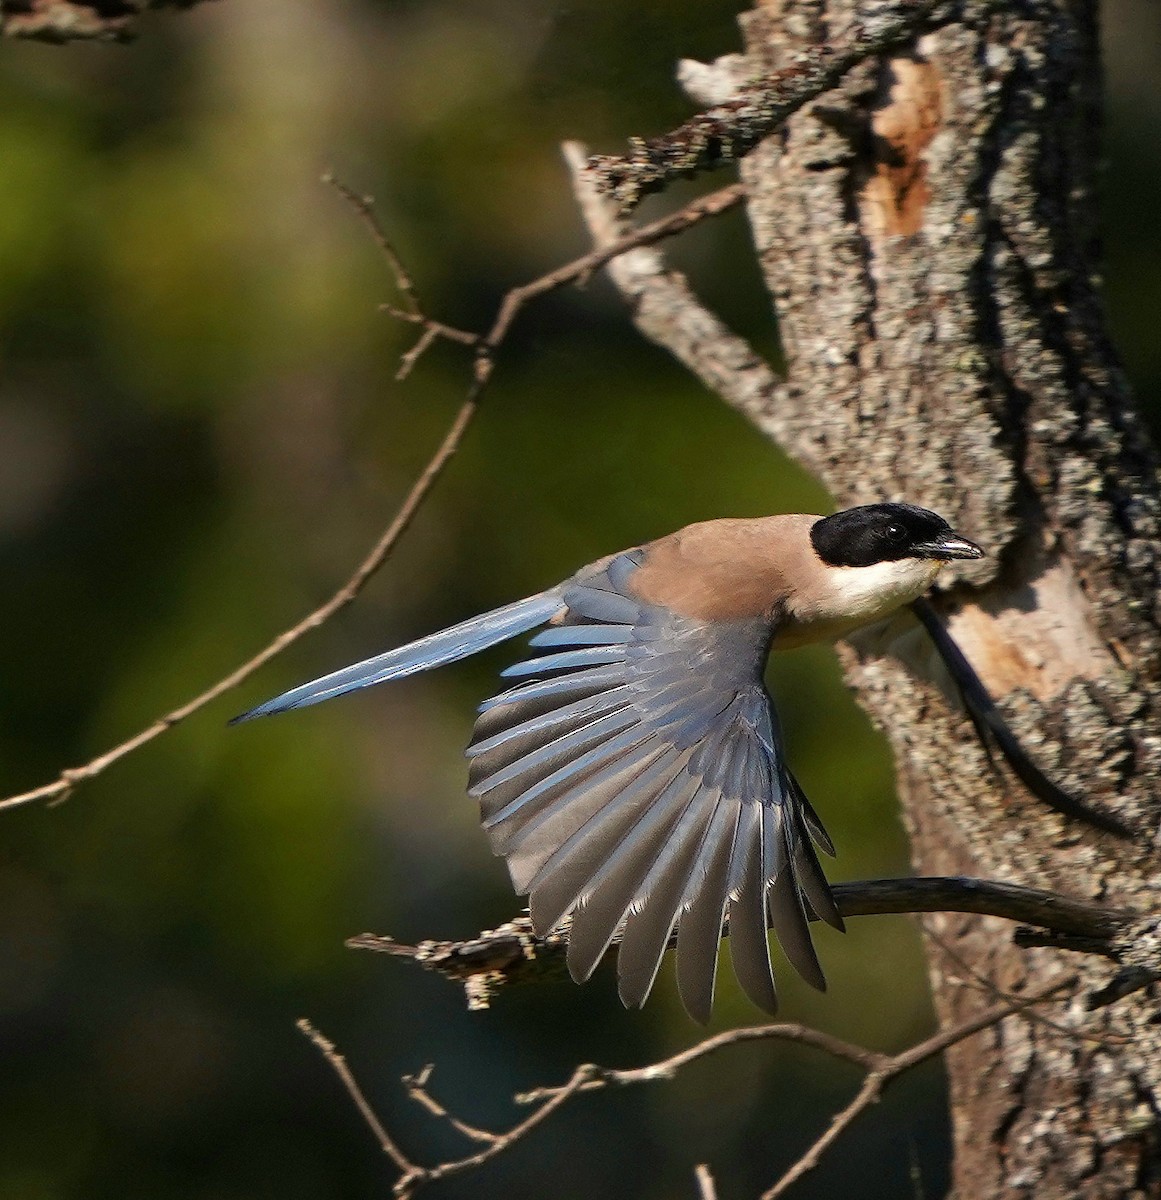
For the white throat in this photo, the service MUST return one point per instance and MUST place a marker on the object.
(841, 599)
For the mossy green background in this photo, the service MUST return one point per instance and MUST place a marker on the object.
(200, 435)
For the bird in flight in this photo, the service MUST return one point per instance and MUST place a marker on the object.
(633, 775)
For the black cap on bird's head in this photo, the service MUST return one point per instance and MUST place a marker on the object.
(880, 533)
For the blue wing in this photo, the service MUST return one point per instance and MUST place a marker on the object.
(634, 778)
(448, 645)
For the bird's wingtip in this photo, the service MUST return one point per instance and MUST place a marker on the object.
(261, 710)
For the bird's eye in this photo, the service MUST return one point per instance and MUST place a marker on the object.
(896, 533)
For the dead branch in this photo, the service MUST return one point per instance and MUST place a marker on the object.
(61, 787)
(729, 131)
(416, 1086)
(486, 346)
(513, 953)
(666, 310)
(339, 1065)
(879, 1071)
(892, 1068)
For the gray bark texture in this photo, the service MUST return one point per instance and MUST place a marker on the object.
(928, 233)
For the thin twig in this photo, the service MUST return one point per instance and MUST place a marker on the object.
(581, 268)
(890, 1069)
(364, 207)
(597, 1078)
(578, 271)
(416, 1086)
(339, 1065)
(63, 785)
(464, 336)
(502, 1142)
(432, 331)
(408, 360)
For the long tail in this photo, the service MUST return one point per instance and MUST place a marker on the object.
(988, 722)
(448, 645)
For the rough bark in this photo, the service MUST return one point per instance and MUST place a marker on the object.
(928, 234)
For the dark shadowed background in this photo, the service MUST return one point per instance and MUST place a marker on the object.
(199, 437)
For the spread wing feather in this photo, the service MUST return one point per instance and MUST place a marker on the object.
(653, 914)
(633, 778)
(748, 946)
(703, 907)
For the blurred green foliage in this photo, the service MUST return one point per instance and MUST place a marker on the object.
(199, 435)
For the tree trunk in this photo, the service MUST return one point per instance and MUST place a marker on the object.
(928, 234)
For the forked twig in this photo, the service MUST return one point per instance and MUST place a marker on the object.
(416, 1086)
(880, 1070)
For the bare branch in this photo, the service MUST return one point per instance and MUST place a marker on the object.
(514, 953)
(364, 208)
(484, 364)
(432, 331)
(416, 1176)
(892, 1068)
(465, 337)
(580, 269)
(729, 131)
(63, 785)
(339, 1065)
(416, 1086)
(880, 1070)
(667, 1068)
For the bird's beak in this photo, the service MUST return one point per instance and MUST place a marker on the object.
(950, 546)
